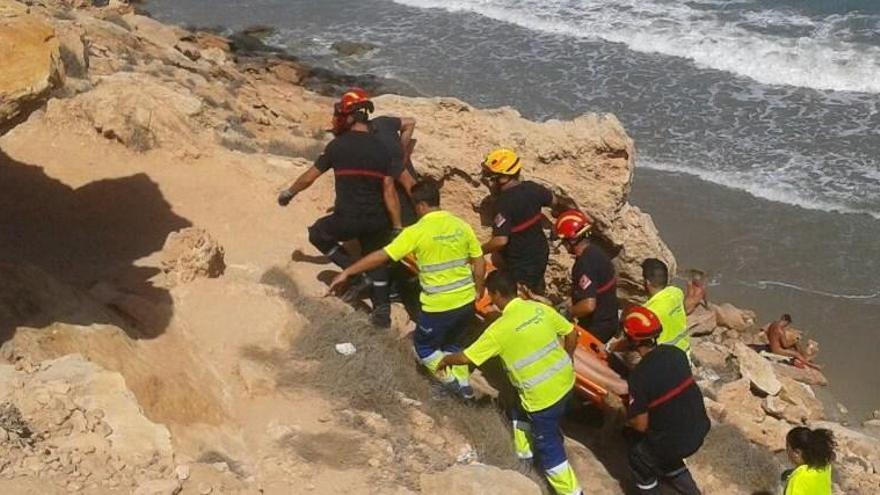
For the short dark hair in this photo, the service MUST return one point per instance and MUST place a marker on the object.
(786, 317)
(426, 191)
(501, 283)
(816, 446)
(656, 272)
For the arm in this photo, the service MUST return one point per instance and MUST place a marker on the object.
(695, 295)
(303, 182)
(392, 202)
(639, 422)
(775, 340)
(407, 181)
(407, 127)
(478, 265)
(571, 341)
(559, 204)
(584, 307)
(495, 244)
(368, 262)
(457, 359)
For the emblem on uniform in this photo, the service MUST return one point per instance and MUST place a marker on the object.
(499, 220)
(584, 282)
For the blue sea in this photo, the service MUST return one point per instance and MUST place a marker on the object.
(756, 123)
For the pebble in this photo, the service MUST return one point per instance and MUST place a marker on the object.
(220, 466)
(205, 488)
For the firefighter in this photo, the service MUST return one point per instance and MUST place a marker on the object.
(366, 207)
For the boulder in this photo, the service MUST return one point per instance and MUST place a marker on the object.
(136, 110)
(756, 369)
(738, 407)
(802, 404)
(477, 479)
(853, 444)
(803, 375)
(30, 57)
(710, 354)
(352, 48)
(158, 487)
(734, 318)
(189, 254)
(702, 321)
(73, 48)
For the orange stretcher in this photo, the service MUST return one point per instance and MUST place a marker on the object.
(585, 388)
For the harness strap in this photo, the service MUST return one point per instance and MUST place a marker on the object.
(358, 172)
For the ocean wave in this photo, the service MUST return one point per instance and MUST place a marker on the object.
(756, 184)
(764, 284)
(713, 36)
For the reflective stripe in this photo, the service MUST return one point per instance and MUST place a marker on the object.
(557, 367)
(379, 283)
(526, 224)
(436, 289)
(678, 338)
(558, 469)
(531, 358)
(672, 393)
(333, 250)
(649, 486)
(439, 267)
(608, 285)
(521, 426)
(432, 357)
(525, 455)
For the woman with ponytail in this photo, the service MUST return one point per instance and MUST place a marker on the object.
(811, 451)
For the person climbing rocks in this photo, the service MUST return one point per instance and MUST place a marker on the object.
(518, 243)
(396, 133)
(366, 206)
(667, 302)
(451, 271)
(593, 279)
(811, 451)
(779, 341)
(527, 339)
(666, 417)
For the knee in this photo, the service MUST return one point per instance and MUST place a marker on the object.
(319, 238)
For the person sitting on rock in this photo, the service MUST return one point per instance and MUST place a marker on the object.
(811, 451)
(366, 206)
(518, 242)
(667, 420)
(781, 343)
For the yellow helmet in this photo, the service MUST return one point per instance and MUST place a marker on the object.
(502, 161)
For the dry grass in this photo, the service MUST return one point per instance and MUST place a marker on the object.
(373, 378)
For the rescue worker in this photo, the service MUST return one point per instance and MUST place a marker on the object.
(667, 302)
(366, 207)
(666, 415)
(451, 271)
(593, 280)
(527, 339)
(518, 238)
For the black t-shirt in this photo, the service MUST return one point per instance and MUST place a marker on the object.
(387, 129)
(360, 163)
(518, 216)
(592, 276)
(662, 385)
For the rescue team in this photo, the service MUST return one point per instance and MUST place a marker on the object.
(375, 182)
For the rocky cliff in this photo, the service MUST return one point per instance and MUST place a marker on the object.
(162, 321)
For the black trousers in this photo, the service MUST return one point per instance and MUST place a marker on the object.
(372, 233)
(649, 465)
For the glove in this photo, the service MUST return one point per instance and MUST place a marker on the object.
(285, 197)
(565, 310)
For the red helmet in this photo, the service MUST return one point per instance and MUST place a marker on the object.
(640, 323)
(572, 225)
(353, 100)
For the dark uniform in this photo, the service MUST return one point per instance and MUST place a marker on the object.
(518, 216)
(592, 276)
(387, 129)
(360, 163)
(662, 385)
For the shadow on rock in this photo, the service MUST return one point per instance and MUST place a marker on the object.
(67, 255)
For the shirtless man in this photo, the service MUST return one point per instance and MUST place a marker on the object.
(781, 343)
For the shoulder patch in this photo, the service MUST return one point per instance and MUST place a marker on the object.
(500, 220)
(584, 282)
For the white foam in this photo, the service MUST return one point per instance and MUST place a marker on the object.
(822, 61)
(755, 183)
